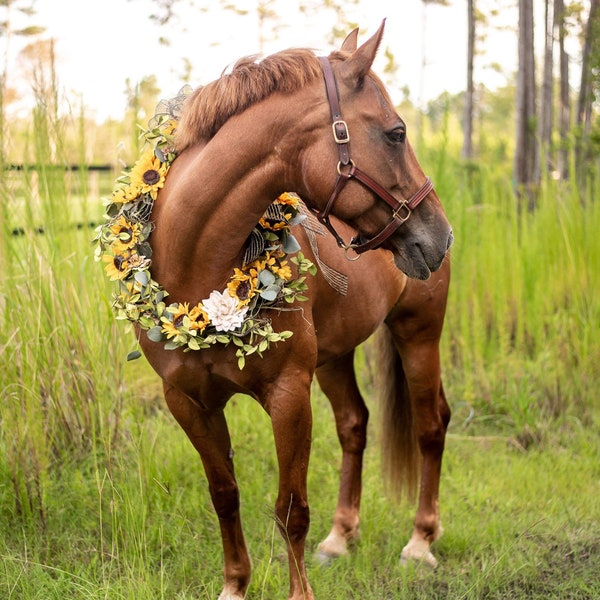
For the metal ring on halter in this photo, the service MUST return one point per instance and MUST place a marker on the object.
(351, 247)
(339, 166)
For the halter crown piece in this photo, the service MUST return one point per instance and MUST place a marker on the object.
(401, 209)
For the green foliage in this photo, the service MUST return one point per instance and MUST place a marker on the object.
(521, 339)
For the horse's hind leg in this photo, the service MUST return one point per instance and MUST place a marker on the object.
(338, 382)
(209, 434)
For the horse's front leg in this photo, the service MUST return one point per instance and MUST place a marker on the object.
(431, 414)
(288, 405)
(338, 382)
(209, 434)
(417, 328)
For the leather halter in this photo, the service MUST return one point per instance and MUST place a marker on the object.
(401, 209)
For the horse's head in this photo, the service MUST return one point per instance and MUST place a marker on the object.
(378, 185)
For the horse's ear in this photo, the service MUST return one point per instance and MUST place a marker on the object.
(351, 42)
(357, 66)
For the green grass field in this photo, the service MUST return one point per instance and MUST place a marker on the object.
(102, 496)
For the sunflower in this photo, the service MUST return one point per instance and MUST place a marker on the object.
(265, 263)
(242, 286)
(198, 318)
(117, 267)
(274, 224)
(148, 174)
(123, 234)
(184, 319)
(171, 325)
(124, 194)
(282, 270)
(289, 198)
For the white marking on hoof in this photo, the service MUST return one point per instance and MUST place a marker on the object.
(226, 595)
(418, 551)
(332, 547)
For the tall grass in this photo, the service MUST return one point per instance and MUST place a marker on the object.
(99, 498)
(61, 379)
(521, 343)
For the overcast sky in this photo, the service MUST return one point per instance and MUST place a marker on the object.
(99, 45)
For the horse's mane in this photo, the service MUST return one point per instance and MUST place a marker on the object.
(249, 82)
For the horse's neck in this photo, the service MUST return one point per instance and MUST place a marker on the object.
(213, 198)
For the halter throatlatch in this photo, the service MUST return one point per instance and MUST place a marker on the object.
(401, 209)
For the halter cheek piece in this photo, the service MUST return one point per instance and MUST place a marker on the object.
(401, 210)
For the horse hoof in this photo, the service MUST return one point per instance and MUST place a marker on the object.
(224, 595)
(424, 557)
(323, 558)
(331, 548)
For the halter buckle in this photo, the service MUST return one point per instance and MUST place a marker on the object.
(398, 215)
(340, 132)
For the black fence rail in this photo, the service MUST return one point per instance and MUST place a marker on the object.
(99, 183)
(74, 167)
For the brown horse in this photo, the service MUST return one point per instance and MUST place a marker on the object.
(243, 140)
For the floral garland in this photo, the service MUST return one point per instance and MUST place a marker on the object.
(264, 280)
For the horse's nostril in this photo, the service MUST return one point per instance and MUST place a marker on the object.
(450, 240)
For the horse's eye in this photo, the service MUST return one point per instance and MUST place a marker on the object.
(397, 136)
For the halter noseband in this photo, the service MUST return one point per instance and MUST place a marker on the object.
(347, 170)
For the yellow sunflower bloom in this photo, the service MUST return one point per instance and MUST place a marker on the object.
(198, 318)
(265, 263)
(117, 266)
(171, 327)
(148, 174)
(168, 128)
(283, 270)
(272, 225)
(124, 235)
(289, 198)
(124, 194)
(193, 319)
(242, 286)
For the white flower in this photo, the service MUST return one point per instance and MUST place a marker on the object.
(223, 311)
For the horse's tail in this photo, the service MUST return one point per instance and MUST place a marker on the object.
(400, 451)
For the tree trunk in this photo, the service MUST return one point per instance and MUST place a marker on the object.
(546, 112)
(526, 146)
(586, 92)
(564, 117)
(584, 105)
(467, 149)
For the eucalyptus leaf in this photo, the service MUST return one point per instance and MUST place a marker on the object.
(142, 277)
(297, 219)
(266, 278)
(290, 244)
(155, 334)
(269, 294)
(134, 354)
(112, 210)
